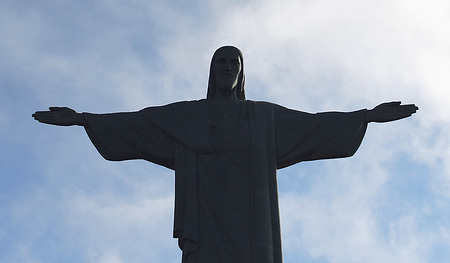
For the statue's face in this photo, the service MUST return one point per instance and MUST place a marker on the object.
(227, 66)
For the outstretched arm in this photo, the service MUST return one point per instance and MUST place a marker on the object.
(390, 111)
(62, 116)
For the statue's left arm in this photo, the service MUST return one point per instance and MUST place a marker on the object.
(390, 111)
(303, 136)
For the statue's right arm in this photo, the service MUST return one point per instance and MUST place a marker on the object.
(61, 116)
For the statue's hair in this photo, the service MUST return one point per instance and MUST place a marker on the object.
(212, 87)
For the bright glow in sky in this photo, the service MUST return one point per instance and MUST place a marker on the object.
(61, 202)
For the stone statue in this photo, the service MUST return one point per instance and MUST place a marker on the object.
(225, 151)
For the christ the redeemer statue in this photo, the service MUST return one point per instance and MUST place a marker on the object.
(225, 151)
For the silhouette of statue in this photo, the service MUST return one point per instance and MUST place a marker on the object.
(225, 151)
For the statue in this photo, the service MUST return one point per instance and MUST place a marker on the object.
(225, 151)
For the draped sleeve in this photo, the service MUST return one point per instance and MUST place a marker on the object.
(304, 136)
(130, 135)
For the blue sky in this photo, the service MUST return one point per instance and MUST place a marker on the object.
(61, 202)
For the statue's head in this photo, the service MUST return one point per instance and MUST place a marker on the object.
(227, 72)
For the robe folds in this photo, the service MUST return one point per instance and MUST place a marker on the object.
(225, 155)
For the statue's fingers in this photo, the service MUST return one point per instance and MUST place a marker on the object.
(56, 108)
(49, 113)
(40, 112)
(402, 115)
(413, 106)
(46, 120)
(393, 103)
(64, 110)
(408, 108)
(43, 114)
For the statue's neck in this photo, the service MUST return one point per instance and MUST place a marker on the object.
(226, 94)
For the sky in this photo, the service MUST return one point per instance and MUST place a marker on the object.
(60, 201)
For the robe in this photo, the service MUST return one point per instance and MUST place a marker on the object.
(225, 155)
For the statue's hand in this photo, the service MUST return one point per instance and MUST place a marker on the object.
(61, 116)
(391, 111)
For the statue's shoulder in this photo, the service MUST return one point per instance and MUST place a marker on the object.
(177, 110)
(279, 111)
(268, 106)
(175, 105)
(187, 103)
